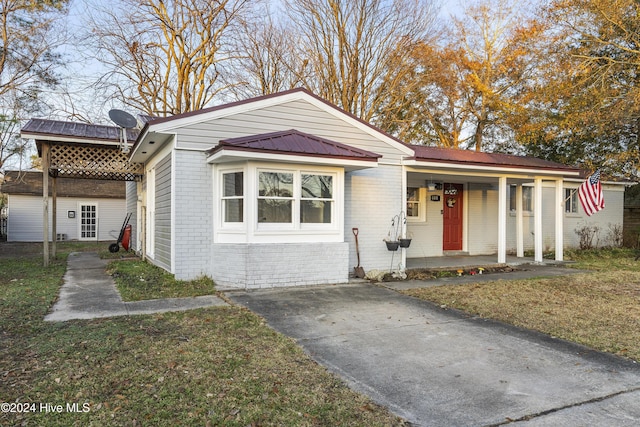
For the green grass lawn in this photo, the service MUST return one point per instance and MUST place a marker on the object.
(600, 309)
(138, 280)
(207, 367)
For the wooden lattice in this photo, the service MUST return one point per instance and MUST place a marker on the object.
(97, 162)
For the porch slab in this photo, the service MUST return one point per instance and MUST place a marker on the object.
(467, 261)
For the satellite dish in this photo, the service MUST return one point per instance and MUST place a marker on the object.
(125, 121)
(122, 118)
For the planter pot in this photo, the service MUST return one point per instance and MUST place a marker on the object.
(405, 243)
(392, 246)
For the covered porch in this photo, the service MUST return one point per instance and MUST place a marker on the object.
(474, 208)
(468, 261)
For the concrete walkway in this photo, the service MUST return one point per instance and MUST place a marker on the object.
(436, 367)
(88, 293)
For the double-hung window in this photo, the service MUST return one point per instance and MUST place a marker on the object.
(527, 198)
(316, 198)
(233, 197)
(297, 198)
(413, 202)
(571, 200)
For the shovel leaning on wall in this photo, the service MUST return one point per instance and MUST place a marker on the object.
(358, 270)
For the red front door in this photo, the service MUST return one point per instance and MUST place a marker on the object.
(452, 217)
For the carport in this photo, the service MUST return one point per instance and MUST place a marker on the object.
(80, 151)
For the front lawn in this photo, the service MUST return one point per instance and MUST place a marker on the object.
(600, 309)
(138, 280)
(207, 367)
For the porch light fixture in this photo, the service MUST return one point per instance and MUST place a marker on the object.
(431, 186)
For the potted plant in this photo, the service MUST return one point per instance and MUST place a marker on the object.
(405, 242)
(392, 242)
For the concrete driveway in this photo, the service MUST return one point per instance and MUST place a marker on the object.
(435, 367)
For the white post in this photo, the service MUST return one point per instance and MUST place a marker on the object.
(45, 203)
(519, 223)
(403, 226)
(537, 228)
(559, 220)
(502, 220)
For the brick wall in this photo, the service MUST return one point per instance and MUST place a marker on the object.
(372, 198)
(192, 215)
(269, 265)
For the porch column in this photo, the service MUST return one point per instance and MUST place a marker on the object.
(519, 223)
(54, 214)
(403, 221)
(559, 220)
(45, 204)
(537, 218)
(502, 220)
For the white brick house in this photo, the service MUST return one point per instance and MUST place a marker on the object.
(265, 192)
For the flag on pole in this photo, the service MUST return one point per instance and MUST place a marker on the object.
(590, 194)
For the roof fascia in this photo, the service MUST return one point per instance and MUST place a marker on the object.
(494, 169)
(60, 138)
(224, 156)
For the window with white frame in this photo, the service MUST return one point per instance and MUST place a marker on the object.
(296, 197)
(527, 198)
(233, 197)
(571, 200)
(275, 197)
(316, 198)
(413, 202)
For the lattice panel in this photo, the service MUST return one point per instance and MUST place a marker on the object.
(97, 162)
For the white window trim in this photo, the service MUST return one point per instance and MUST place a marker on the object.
(232, 225)
(422, 205)
(295, 209)
(253, 232)
(574, 202)
(79, 220)
(525, 212)
(296, 224)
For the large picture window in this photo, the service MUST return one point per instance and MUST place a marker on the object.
(275, 197)
(233, 196)
(297, 198)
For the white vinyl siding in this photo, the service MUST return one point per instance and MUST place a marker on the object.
(25, 218)
(299, 115)
(163, 213)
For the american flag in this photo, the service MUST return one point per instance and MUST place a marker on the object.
(590, 193)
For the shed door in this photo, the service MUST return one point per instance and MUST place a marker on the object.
(452, 217)
(88, 221)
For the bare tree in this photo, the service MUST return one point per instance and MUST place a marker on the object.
(353, 53)
(27, 43)
(166, 57)
(28, 65)
(268, 58)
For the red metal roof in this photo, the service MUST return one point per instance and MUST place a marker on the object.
(56, 128)
(294, 142)
(452, 155)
